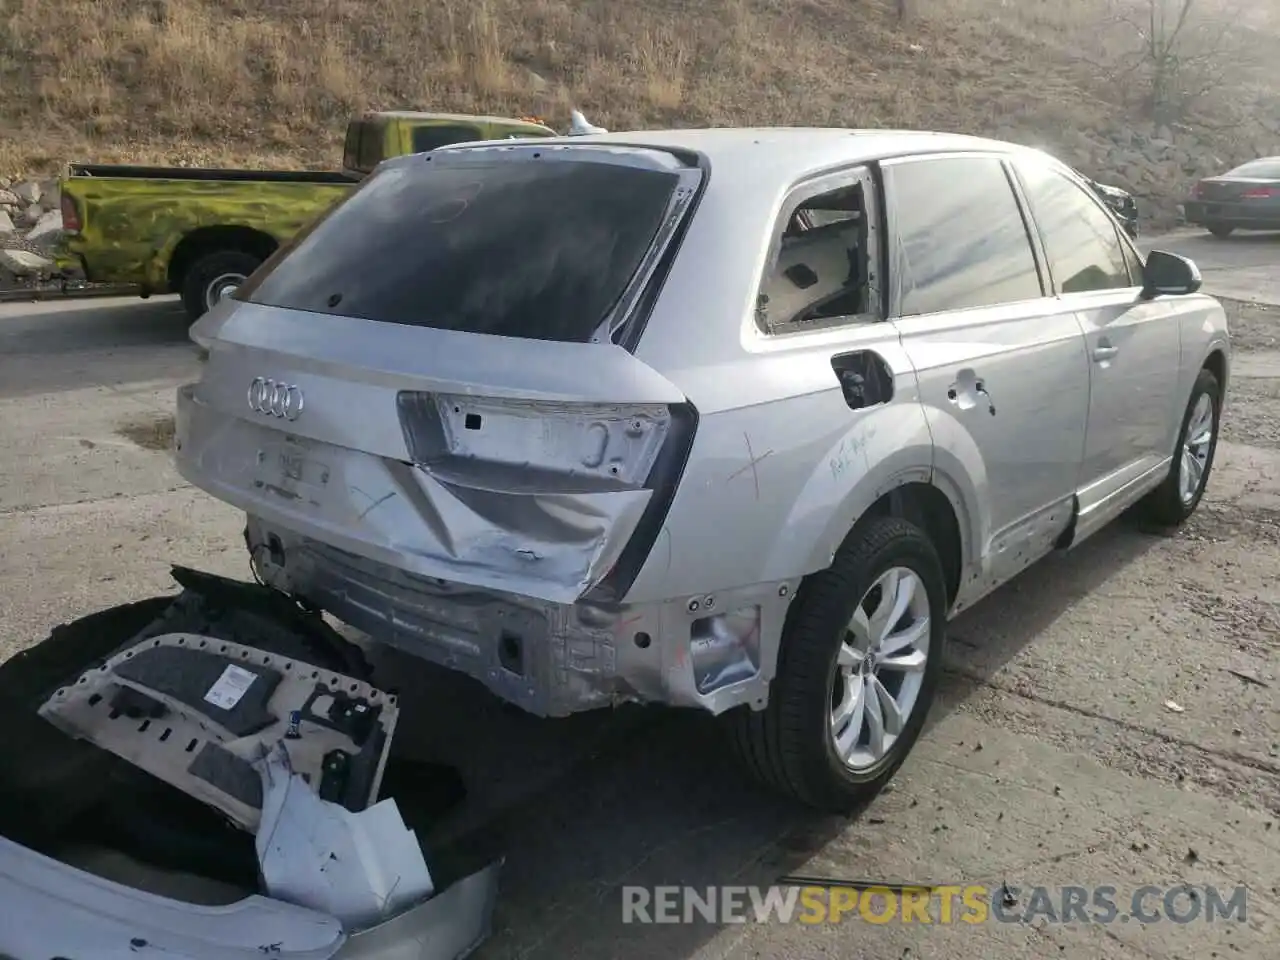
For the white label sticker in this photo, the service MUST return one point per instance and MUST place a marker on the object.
(230, 687)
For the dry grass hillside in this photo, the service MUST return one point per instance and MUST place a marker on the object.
(272, 82)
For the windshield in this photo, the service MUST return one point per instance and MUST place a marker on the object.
(1262, 169)
(540, 249)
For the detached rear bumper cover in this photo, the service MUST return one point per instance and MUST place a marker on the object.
(213, 719)
(48, 909)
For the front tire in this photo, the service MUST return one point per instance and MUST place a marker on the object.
(855, 679)
(213, 276)
(1171, 503)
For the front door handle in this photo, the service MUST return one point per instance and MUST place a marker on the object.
(1104, 352)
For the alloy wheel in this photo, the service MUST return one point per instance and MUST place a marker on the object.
(880, 668)
(1195, 449)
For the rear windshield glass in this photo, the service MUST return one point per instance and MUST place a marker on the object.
(538, 249)
(1262, 169)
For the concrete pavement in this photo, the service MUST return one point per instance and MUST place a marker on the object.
(1054, 757)
(1243, 266)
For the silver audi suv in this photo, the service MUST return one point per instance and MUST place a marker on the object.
(729, 419)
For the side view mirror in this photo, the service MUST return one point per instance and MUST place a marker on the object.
(1167, 274)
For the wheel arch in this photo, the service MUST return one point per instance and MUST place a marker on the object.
(907, 474)
(192, 246)
(924, 505)
(1216, 363)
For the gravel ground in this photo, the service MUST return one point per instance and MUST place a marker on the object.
(1110, 717)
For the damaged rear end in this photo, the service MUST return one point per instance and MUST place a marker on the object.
(430, 410)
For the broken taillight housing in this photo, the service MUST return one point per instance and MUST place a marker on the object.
(604, 446)
(557, 447)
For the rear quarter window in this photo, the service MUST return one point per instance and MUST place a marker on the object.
(539, 249)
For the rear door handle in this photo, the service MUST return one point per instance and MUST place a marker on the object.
(966, 389)
(1104, 352)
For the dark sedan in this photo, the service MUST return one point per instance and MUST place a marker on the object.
(1246, 198)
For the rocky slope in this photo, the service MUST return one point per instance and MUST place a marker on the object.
(30, 225)
(234, 82)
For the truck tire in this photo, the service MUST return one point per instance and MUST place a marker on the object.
(1172, 503)
(211, 275)
(792, 745)
(49, 779)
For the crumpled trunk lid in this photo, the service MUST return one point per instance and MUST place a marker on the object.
(523, 466)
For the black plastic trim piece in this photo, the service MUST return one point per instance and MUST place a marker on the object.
(628, 335)
(664, 479)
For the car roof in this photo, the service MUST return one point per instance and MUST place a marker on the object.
(1249, 163)
(795, 150)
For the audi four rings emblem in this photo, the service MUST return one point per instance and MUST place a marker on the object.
(275, 398)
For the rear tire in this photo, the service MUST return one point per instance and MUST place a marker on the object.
(1220, 230)
(1171, 503)
(213, 275)
(790, 746)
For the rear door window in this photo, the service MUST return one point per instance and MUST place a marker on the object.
(431, 136)
(1081, 240)
(960, 234)
(536, 248)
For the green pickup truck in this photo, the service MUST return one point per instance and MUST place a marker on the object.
(200, 232)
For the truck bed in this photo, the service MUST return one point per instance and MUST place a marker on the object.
(127, 171)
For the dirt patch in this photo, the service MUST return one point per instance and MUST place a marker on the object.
(1254, 326)
(150, 433)
(1253, 403)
